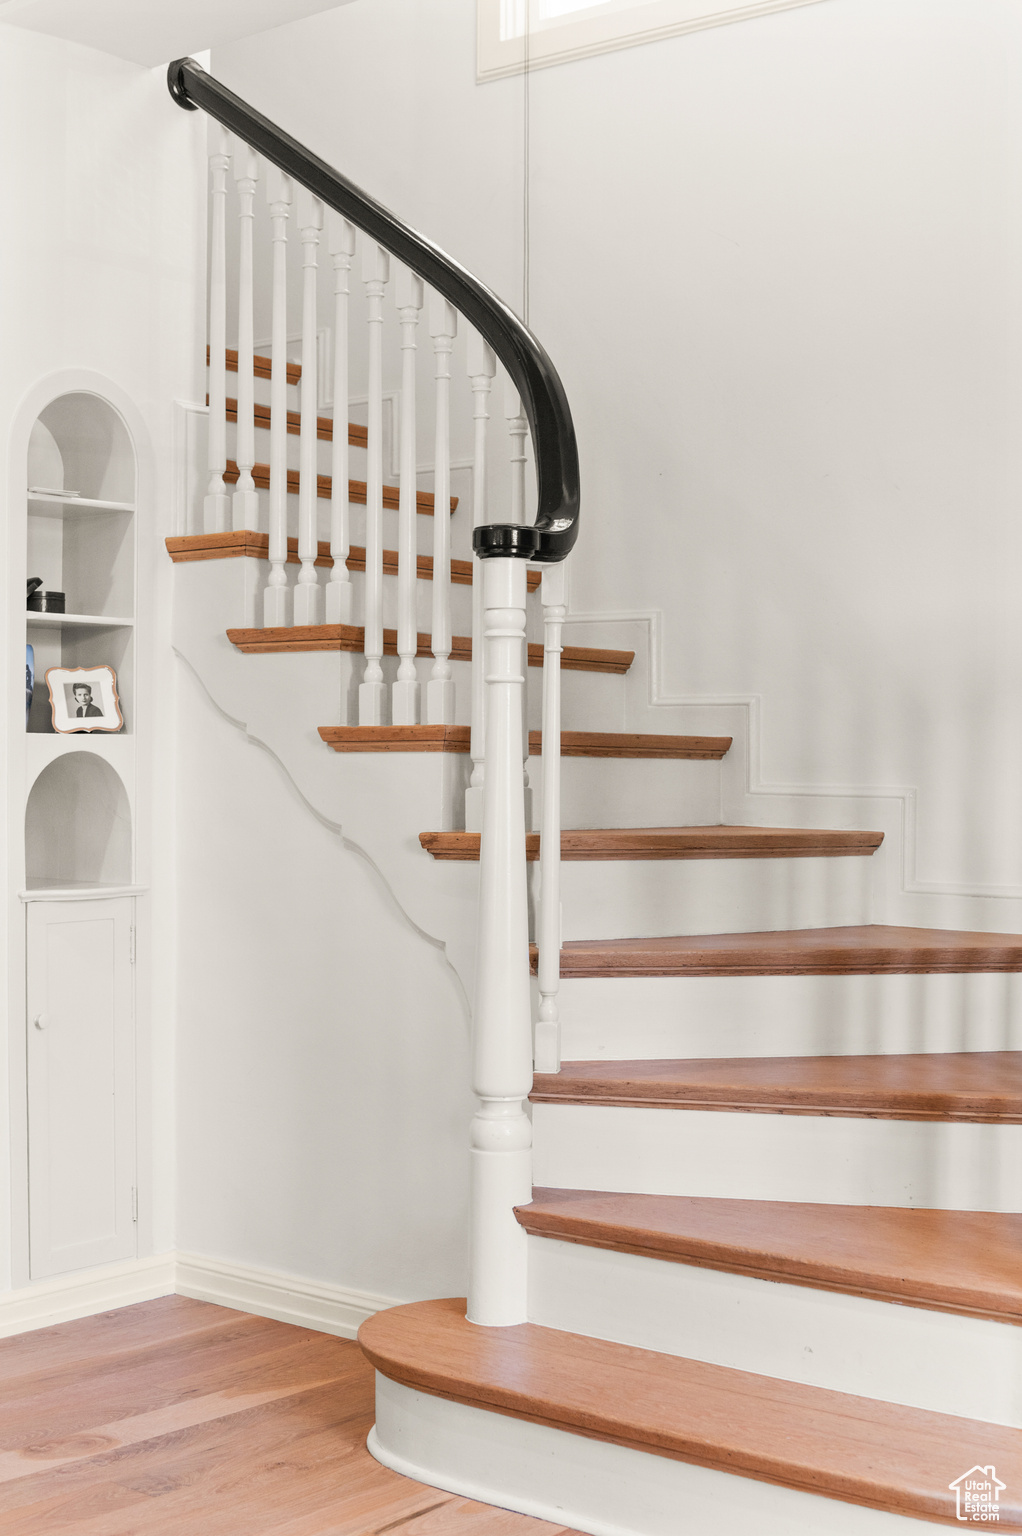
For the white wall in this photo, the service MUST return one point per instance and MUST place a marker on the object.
(777, 265)
(101, 249)
(323, 1042)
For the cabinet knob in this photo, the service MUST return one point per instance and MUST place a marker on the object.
(41, 1020)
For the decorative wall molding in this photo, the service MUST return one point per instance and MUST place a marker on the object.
(504, 27)
(264, 1292)
(903, 796)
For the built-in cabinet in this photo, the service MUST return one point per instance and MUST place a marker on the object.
(80, 843)
(81, 1084)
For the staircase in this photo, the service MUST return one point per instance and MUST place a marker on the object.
(773, 1243)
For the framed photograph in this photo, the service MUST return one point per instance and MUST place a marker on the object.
(84, 699)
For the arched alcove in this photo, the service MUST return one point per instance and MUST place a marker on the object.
(81, 481)
(77, 825)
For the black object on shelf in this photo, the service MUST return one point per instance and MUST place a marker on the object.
(43, 602)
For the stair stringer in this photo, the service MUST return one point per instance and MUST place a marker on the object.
(380, 802)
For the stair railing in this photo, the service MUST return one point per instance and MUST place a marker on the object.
(304, 192)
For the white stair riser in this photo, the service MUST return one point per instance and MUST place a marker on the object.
(901, 1354)
(833, 1160)
(635, 792)
(659, 1017)
(590, 1485)
(643, 898)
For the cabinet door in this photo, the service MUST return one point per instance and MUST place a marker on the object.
(81, 1084)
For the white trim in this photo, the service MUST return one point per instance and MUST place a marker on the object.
(82, 893)
(85, 1292)
(601, 28)
(271, 1293)
(264, 1292)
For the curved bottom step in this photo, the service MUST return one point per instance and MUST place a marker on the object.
(619, 1441)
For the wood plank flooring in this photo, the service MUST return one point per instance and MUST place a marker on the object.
(178, 1418)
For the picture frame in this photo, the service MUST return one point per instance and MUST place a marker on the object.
(84, 699)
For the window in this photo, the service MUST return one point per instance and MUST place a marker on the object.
(560, 30)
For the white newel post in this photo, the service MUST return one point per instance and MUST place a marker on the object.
(502, 1047)
(548, 936)
(308, 601)
(482, 365)
(405, 697)
(216, 506)
(443, 327)
(341, 237)
(275, 598)
(245, 501)
(375, 275)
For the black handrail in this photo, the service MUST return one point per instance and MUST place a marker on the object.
(534, 375)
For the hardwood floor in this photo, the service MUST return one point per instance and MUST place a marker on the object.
(178, 1418)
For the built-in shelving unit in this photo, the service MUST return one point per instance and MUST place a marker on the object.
(76, 1170)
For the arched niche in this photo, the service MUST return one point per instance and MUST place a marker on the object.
(77, 825)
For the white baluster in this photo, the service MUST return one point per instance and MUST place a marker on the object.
(245, 501)
(216, 506)
(482, 365)
(341, 236)
(405, 699)
(443, 327)
(548, 936)
(517, 427)
(275, 598)
(375, 275)
(502, 1047)
(308, 601)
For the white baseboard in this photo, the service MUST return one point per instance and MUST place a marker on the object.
(84, 1293)
(264, 1292)
(269, 1293)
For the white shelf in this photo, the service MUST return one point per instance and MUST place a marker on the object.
(86, 503)
(77, 890)
(55, 620)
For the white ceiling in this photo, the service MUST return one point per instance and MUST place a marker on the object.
(154, 31)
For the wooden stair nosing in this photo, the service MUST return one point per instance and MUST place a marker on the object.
(978, 1087)
(964, 1262)
(868, 949)
(263, 416)
(397, 738)
(605, 844)
(351, 637)
(882, 1455)
(633, 744)
(237, 542)
(262, 367)
(357, 489)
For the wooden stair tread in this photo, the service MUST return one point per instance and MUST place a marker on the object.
(879, 1454)
(325, 488)
(958, 1085)
(872, 948)
(397, 738)
(632, 744)
(263, 416)
(948, 1261)
(262, 367)
(236, 542)
(351, 637)
(611, 843)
